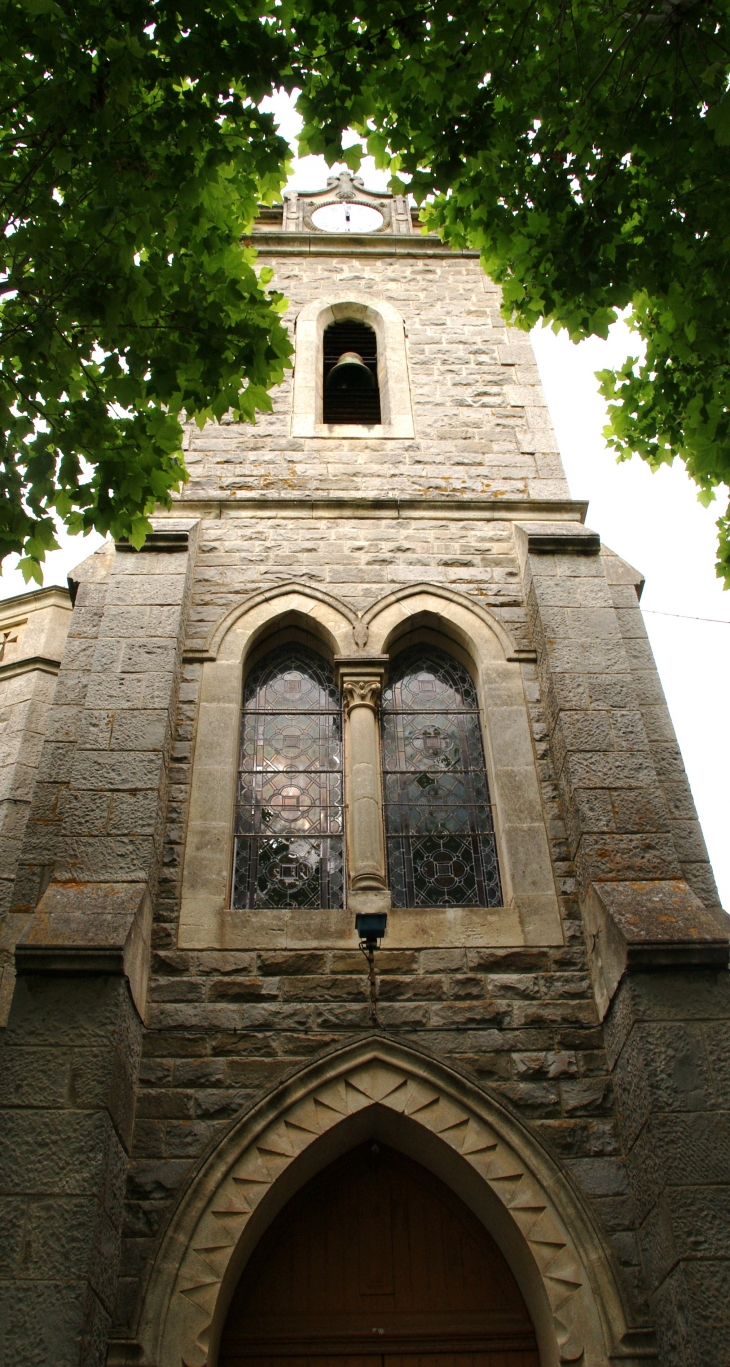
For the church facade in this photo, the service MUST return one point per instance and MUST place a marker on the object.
(372, 684)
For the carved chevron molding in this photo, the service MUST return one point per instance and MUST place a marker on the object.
(220, 1225)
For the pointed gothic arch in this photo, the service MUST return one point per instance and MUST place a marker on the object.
(378, 1087)
(402, 604)
(330, 615)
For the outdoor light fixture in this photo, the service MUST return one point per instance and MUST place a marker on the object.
(371, 927)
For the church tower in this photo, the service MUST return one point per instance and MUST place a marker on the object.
(365, 986)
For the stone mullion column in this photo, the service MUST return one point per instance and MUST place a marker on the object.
(361, 681)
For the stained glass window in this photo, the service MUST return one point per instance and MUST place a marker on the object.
(289, 844)
(438, 817)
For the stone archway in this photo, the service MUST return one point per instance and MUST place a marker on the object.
(544, 1228)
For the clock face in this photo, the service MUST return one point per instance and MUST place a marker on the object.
(347, 218)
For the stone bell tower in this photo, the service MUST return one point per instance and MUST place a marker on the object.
(372, 664)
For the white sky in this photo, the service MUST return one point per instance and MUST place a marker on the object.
(653, 521)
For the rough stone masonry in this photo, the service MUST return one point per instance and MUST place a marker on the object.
(133, 1046)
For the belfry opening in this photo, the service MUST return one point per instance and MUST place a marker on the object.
(376, 1263)
(350, 365)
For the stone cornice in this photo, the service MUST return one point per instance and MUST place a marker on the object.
(23, 603)
(352, 244)
(33, 663)
(490, 509)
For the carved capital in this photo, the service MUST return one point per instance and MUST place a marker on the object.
(361, 693)
(361, 679)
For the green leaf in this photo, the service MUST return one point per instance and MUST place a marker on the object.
(134, 299)
(585, 155)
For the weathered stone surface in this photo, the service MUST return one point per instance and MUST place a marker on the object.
(668, 1055)
(33, 631)
(71, 1053)
(649, 924)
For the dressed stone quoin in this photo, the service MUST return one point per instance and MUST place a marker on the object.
(364, 985)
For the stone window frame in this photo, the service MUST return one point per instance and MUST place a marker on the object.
(393, 379)
(530, 914)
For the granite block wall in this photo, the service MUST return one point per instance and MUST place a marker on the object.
(481, 421)
(67, 1095)
(80, 922)
(33, 629)
(668, 1045)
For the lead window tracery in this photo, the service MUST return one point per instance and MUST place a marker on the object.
(438, 816)
(289, 814)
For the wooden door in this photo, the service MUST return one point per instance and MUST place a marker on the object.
(375, 1263)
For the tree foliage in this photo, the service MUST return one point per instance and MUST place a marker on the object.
(133, 157)
(583, 147)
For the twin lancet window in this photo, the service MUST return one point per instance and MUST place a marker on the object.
(351, 392)
(441, 849)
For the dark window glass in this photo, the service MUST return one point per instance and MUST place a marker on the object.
(289, 848)
(438, 817)
(351, 392)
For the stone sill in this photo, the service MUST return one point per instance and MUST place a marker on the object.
(401, 429)
(422, 928)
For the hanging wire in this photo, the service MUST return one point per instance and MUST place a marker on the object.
(719, 621)
(369, 952)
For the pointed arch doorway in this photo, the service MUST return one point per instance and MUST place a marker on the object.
(376, 1263)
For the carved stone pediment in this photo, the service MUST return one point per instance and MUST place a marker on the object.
(345, 188)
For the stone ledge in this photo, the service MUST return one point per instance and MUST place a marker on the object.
(279, 243)
(175, 539)
(555, 538)
(464, 509)
(34, 599)
(207, 926)
(33, 662)
(650, 925)
(193, 656)
(90, 928)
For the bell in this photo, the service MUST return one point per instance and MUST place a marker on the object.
(350, 373)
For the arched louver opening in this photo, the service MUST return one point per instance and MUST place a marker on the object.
(351, 394)
(289, 844)
(438, 817)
